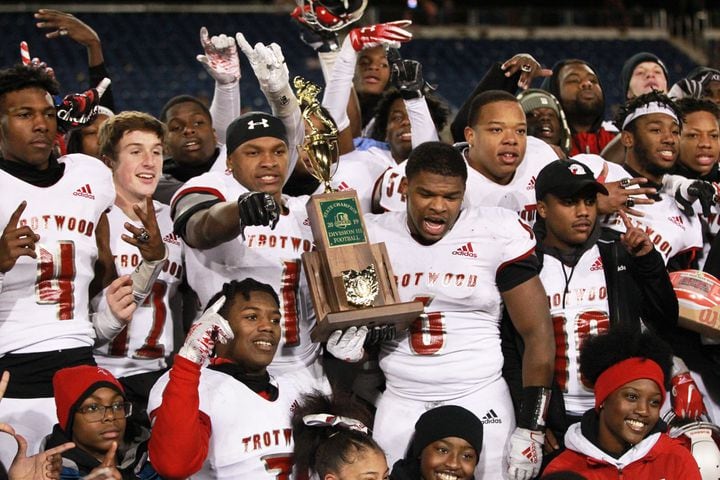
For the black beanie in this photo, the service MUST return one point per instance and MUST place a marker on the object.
(253, 125)
(447, 421)
(634, 61)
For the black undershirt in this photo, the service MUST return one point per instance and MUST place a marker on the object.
(29, 174)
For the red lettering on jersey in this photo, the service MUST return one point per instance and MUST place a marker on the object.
(280, 465)
(585, 324)
(289, 284)
(427, 332)
(55, 275)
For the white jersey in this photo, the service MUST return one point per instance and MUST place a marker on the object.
(578, 302)
(359, 170)
(44, 302)
(251, 437)
(518, 195)
(454, 348)
(670, 230)
(268, 256)
(146, 342)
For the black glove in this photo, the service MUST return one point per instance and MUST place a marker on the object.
(406, 76)
(79, 109)
(705, 193)
(379, 334)
(258, 208)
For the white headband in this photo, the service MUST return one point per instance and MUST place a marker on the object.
(652, 107)
(326, 420)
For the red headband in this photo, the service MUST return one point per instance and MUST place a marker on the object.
(624, 372)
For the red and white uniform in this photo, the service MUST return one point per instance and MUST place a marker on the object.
(670, 230)
(251, 436)
(452, 353)
(578, 302)
(268, 256)
(145, 343)
(359, 170)
(44, 302)
(518, 195)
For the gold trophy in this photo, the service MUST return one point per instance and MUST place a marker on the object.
(351, 281)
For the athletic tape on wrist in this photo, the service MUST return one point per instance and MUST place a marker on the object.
(533, 408)
(144, 277)
(106, 325)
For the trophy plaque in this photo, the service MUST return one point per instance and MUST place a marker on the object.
(351, 280)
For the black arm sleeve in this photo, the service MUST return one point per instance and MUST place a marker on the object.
(494, 79)
(659, 308)
(517, 272)
(96, 74)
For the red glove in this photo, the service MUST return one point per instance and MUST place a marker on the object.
(390, 34)
(79, 109)
(686, 399)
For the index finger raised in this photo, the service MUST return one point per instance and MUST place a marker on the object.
(626, 220)
(109, 458)
(215, 307)
(15, 217)
(243, 44)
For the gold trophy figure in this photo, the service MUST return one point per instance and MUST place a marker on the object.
(351, 280)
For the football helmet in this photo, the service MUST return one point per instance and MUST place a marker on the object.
(702, 439)
(329, 15)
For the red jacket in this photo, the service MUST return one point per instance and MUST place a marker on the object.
(657, 457)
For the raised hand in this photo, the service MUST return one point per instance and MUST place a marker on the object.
(221, 58)
(622, 198)
(635, 240)
(530, 68)
(16, 241)
(207, 330)
(406, 76)
(79, 109)
(147, 239)
(267, 62)
(120, 299)
(258, 208)
(390, 35)
(61, 24)
(35, 62)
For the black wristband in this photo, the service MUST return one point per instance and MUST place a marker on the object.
(533, 408)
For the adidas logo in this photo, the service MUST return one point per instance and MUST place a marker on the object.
(597, 265)
(84, 192)
(531, 184)
(465, 251)
(490, 417)
(343, 186)
(171, 238)
(677, 220)
(530, 453)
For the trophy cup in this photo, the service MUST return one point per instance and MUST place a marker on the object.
(351, 281)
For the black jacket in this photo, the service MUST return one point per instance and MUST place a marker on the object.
(638, 288)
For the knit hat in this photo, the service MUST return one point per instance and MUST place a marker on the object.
(447, 421)
(565, 178)
(73, 385)
(627, 371)
(535, 98)
(634, 61)
(253, 125)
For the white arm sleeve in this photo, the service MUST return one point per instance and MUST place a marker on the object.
(225, 107)
(337, 90)
(421, 123)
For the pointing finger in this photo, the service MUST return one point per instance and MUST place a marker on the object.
(15, 217)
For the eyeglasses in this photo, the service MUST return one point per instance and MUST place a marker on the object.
(96, 413)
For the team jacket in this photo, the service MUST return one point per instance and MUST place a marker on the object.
(657, 457)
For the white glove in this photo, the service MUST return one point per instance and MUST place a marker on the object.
(221, 58)
(686, 191)
(268, 63)
(210, 328)
(348, 345)
(525, 453)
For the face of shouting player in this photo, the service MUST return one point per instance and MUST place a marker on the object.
(373, 71)
(96, 437)
(256, 325)
(646, 77)
(628, 415)
(653, 145)
(191, 139)
(449, 457)
(27, 126)
(433, 205)
(260, 165)
(398, 131)
(580, 92)
(137, 165)
(544, 124)
(699, 142)
(568, 221)
(498, 140)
